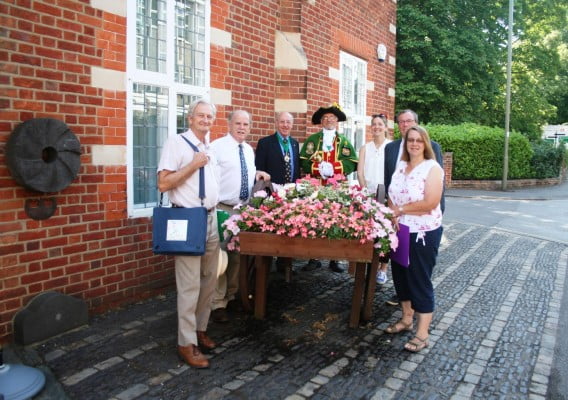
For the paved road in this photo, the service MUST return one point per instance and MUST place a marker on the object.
(540, 212)
(495, 334)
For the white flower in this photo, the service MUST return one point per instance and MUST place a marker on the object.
(261, 193)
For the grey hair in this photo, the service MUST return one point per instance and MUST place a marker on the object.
(233, 113)
(279, 114)
(195, 103)
(408, 110)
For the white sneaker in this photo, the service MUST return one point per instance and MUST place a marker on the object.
(382, 278)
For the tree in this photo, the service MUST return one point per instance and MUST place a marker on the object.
(451, 62)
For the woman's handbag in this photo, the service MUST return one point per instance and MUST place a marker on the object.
(178, 230)
(402, 253)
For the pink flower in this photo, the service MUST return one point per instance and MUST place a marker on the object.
(310, 210)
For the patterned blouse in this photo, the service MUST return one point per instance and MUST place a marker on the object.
(408, 188)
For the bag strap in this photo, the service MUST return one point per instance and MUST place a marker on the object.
(201, 176)
(201, 172)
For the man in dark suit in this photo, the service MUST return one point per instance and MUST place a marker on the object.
(279, 154)
(393, 151)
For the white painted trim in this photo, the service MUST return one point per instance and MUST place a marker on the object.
(289, 52)
(290, 105)
(109, 79)
(221, 97)
(334, 73)
(221, 38)
(108, 154)
(117, 7)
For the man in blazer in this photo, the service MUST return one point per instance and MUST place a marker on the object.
(280, 151)
(393, 150)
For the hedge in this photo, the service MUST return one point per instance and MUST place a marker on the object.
(478, 151)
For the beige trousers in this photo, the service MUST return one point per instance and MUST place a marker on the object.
(227, 283)
(195, 281)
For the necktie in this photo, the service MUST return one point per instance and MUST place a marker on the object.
(244, 175)
(287, 162)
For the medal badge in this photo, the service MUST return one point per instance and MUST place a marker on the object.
(286, 158)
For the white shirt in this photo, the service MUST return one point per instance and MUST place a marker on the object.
(226, 150)
(176, 154)
(408, 188)
(374, 167)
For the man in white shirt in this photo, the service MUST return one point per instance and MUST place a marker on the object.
(178, 174)
(237, 171)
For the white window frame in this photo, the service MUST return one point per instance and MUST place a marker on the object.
(166, 80)
(355, 126)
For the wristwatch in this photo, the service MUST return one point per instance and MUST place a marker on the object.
(400, 210)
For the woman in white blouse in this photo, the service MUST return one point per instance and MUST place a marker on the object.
(371, 170)
(414, 197)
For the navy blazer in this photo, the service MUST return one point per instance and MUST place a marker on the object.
(269, 158)
(391, 158)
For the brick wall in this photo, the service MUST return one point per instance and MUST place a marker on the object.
(89, 248)
(356, 27)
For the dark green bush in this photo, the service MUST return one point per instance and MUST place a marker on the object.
(547, 160)
(478, 151)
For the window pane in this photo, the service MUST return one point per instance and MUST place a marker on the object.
(150, 130)
(151, 35)
(190, 42)
(347, 95)
(183, 102)
(360, 89)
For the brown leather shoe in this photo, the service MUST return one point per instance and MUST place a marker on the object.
(204, 341)
(193, 356)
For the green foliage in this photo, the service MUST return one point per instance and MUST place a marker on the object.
(451, 62)
(547, 160)
(478, 151)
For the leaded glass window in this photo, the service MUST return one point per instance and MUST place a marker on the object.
(167, 69)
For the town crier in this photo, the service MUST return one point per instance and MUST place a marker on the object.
(327, 153)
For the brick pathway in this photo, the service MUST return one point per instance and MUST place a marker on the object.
(493, 336)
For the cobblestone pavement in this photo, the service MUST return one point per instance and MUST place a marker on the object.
(493, 336)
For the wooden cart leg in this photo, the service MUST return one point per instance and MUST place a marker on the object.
(357, 295)
(244, 289)
(370, 285)
(262, 265)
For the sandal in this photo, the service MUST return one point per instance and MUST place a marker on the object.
(399, 326)
(416, 344)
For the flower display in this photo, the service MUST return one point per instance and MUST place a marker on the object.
(308, 209)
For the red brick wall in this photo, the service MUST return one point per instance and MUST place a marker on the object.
(356, 27)
(248, 66)
(89, 248)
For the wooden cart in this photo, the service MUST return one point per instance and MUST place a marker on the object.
(253, 279)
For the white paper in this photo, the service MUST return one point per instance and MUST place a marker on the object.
(177, 230)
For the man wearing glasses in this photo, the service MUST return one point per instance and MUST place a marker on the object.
(327, 153)
(405, 119)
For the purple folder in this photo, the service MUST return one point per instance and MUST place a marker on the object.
(402, 253)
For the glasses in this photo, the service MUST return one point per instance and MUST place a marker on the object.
(406, 121)
(378, 116)
(418, 140)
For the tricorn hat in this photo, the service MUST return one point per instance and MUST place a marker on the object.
(334, 109)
